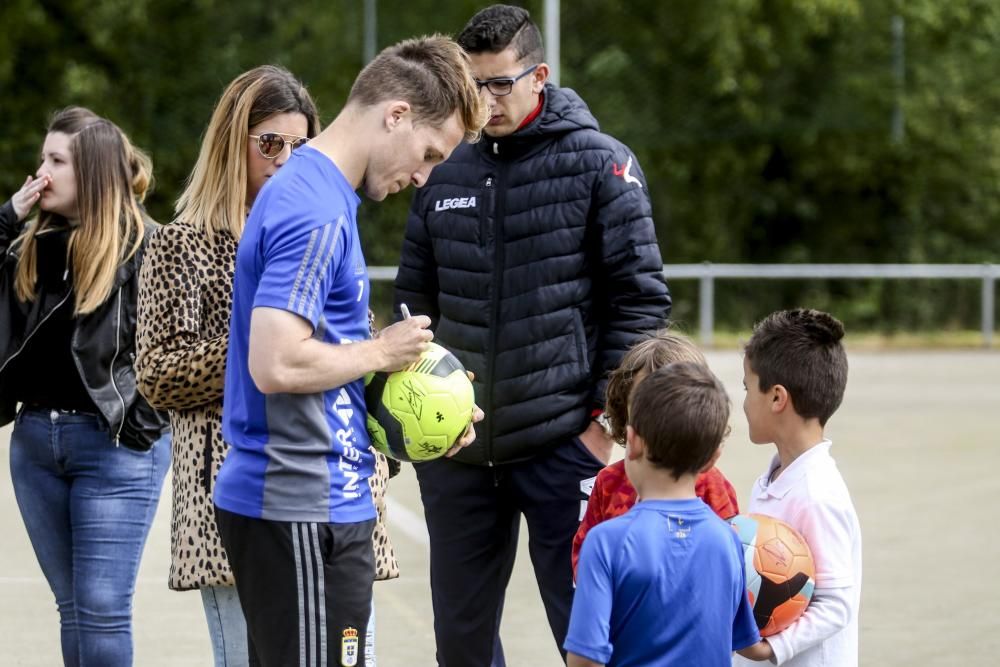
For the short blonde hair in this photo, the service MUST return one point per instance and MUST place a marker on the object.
(433, 75)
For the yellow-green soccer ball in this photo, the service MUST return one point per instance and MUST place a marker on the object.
(417, 413)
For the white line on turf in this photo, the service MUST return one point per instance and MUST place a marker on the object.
(406, 521)
(402, 519)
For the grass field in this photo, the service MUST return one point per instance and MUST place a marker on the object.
(916, 439)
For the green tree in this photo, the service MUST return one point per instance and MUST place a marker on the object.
(763, 126)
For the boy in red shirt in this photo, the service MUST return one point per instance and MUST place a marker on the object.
(613, 494)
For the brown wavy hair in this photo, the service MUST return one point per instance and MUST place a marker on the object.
(657, 349)
(112, 178)
(681, 412)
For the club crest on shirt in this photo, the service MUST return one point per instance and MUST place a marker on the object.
(349, 647)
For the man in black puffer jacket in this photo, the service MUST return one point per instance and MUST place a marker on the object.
(534, 254)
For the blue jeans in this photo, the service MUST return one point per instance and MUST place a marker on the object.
(87, 506)
(227, 628)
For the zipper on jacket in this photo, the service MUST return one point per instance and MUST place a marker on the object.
(498, 195)
(485, 210)
(35, 330)
(111, 366)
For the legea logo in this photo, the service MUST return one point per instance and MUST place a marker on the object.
(455, 202)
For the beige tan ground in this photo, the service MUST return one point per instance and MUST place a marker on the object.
(918, 440)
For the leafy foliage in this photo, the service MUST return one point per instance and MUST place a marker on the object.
(764, 127)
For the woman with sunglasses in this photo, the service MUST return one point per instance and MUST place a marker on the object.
(87, 454)
(184, 307)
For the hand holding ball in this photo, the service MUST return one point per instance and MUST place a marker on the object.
(418, 413)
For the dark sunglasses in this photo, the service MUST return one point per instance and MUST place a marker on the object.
(503, 85)
(270, 144)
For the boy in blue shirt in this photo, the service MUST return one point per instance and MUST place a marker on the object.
(664, 584)
(294, 507)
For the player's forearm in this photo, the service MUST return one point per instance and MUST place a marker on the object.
(284, 357)
(759, 651)
(312, 366)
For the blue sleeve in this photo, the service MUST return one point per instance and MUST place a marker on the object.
(299, 263)
(745, 631)
(589, 632)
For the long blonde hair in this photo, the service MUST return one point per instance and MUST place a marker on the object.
(215, 198)
(112, 177)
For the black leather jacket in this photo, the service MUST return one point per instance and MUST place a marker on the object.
(103, 342)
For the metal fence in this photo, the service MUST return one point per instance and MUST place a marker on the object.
(707, 273)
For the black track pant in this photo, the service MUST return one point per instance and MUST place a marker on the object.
(305, 588)
(473, 515)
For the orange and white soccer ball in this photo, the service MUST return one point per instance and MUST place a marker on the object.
(780, 571)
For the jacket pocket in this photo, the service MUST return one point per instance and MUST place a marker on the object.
(142, 426)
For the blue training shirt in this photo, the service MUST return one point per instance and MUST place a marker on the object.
(663, 584)
(298, 457)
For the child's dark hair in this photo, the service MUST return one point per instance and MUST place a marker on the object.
(655, 350)
(801, 350)
(497, 27)
(681, 412)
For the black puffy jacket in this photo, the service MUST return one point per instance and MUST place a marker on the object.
(536, 258)
(103, 342)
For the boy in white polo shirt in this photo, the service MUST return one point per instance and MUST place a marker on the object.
(794, 373)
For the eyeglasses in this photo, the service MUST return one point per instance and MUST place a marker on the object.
(503, 85)
(270, 144)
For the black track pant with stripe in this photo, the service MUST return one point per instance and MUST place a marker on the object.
(473, 517)
(305, 588)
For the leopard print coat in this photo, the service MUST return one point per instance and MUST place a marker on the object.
(185, 300)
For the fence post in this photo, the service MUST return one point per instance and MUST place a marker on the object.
(706, 304)
(989, 282)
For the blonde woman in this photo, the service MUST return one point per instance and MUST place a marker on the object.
(87, 453)
(184, 307)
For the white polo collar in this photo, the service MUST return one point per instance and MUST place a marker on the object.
(796, 471)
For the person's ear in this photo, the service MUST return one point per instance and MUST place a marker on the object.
(634, 446)
(539, 77)
(779, 398)
(395, 113)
